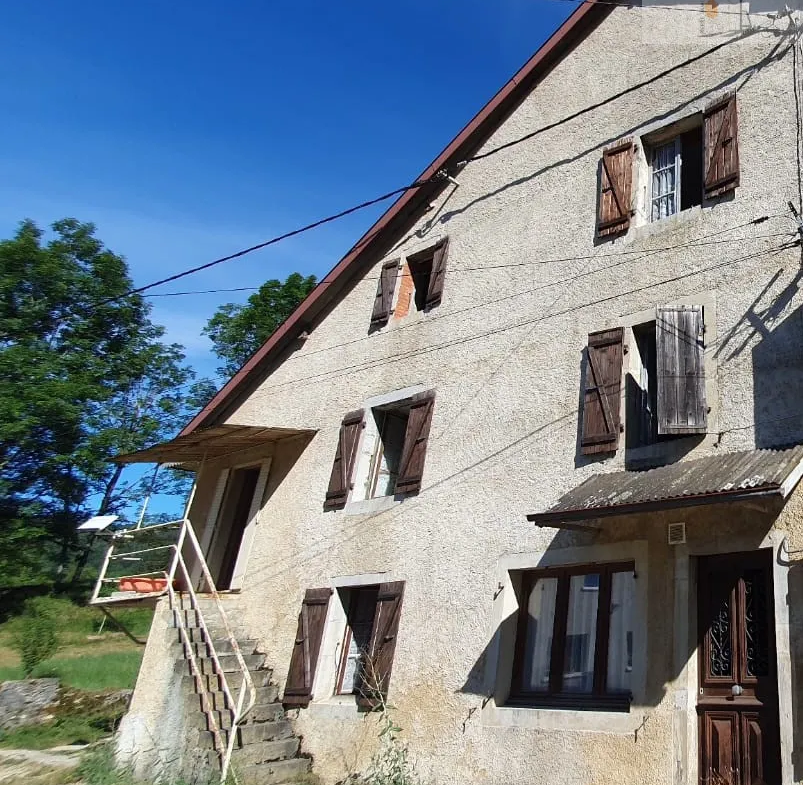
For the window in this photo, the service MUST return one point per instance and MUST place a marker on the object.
(676, 174)
(697, 158)
(574, 640)
(366, 619)
(419, 287)
(384, 450)
(665, 384)
(671, 403)
(360, 606)
(391, 425)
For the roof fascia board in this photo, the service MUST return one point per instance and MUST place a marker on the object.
(404, 208)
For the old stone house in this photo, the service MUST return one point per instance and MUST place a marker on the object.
(525, 463)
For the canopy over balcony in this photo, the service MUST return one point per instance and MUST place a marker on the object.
(211, 443)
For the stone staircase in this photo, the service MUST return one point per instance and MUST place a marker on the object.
(266, 749)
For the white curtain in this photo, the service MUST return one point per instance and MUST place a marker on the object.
(620, 641)
(541, 620)
(581, 634)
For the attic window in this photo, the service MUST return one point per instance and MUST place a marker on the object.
(676, 174)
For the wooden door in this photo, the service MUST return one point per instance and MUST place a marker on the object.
(239, 520)
(737, 701)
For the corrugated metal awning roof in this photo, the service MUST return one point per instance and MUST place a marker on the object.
(210, 443)
(717, 478)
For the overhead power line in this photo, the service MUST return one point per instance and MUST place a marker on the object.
(439, 177)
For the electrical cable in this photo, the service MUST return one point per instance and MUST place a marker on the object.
(370, 364)
(440, 177)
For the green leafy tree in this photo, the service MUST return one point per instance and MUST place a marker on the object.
(34, 633)
(237, 331)
(84, 374)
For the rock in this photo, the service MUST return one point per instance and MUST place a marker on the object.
(27, 702)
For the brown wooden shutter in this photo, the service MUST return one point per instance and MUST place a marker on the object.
(680, 352)
(601, 399)
(385, 287)
(721, 147)
(345, 460)
(436, 279)
(311, 620)
(383, 645)
(411, 465)
(616, 180)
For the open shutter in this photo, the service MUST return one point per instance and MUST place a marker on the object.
(383, 645)
(436, 279)
(311, 620)
(601, 399)
(680, 350)
(385, 287)
(345, 459)
(616, 180)
(721, 147)
(411, 465)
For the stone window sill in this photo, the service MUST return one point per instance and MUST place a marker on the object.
(616, 722)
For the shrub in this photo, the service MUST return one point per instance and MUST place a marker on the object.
(35, 633)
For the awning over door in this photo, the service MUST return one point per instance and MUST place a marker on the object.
(728, 477)
(210, 443)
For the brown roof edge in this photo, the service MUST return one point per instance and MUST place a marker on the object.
(566, 36)
(554, 520)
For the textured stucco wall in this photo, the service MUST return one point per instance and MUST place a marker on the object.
(504, 354)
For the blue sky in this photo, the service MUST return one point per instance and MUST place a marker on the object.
(187, 131)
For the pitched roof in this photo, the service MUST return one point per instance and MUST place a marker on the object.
(716, 478)
(410, 203)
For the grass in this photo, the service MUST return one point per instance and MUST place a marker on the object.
(93, 654)
(113, 670)
(67, 730)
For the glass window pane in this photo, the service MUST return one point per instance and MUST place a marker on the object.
(538, 645)
(620, 641)
(581, 635)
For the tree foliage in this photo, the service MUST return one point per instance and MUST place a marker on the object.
(84, 375)
(237, 331)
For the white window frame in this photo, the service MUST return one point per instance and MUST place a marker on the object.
(360, 499)
(678, 168)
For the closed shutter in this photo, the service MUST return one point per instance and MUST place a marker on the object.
(345, 459)
(601, 398)
(721, 147)
(411, 465)
(436, 279)
(385, 287)
(616, 180)
(379, 662)
(680, 352)
(307, 645)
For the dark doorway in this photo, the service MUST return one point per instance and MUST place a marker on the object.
(737, 702)
(233, 520)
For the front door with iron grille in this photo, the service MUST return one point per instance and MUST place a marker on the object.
(737, 701)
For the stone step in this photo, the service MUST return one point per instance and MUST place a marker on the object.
(222, 646)
(265, 740)
(268, 693)
(275, 773)
(230, 664)
(214, 683)
(260, 753)
(265, 712)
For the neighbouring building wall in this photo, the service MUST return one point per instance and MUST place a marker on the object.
(525, 284)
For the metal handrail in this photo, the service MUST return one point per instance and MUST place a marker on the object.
(246, 696)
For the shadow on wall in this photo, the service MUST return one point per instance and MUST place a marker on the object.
(777, 360)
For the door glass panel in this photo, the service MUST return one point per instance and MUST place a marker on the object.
(620, 641)
(581, 634)
(757, 655)
(720, 654)
(540, 623)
